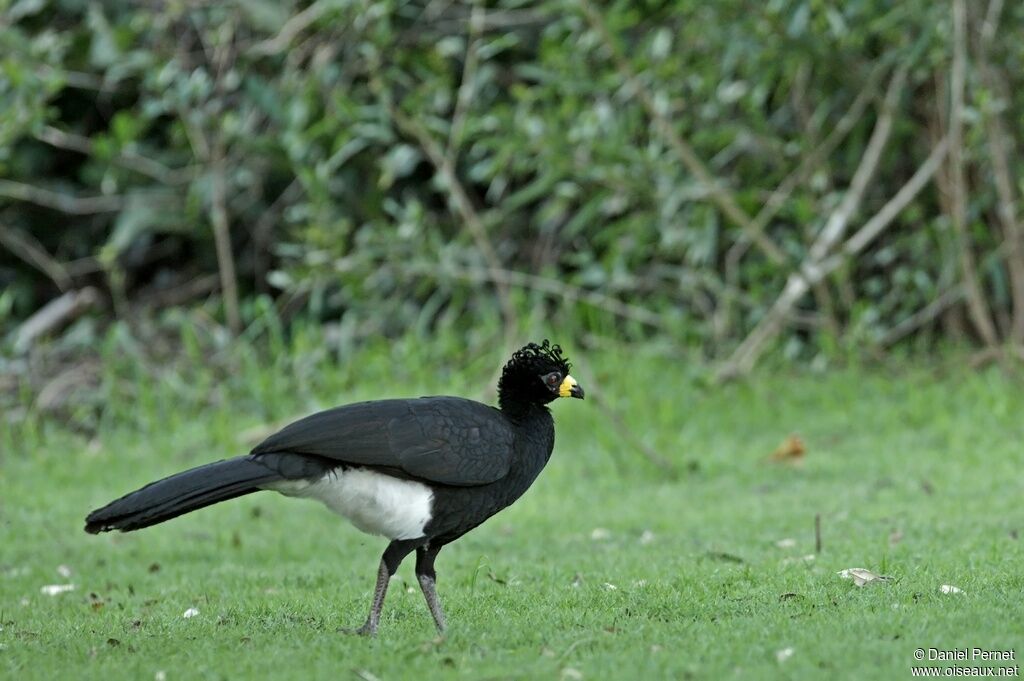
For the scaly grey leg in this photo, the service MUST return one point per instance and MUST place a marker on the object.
(389, 562)
(428, 583)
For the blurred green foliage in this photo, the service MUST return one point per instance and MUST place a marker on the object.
(423, 164)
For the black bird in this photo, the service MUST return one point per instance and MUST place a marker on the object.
(421, 472)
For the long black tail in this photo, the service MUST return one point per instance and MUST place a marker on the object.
(193, 489)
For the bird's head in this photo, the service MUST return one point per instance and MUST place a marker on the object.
(536, 374)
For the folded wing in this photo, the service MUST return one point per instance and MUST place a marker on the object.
(446, 440)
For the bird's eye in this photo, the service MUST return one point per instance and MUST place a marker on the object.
(553, 379)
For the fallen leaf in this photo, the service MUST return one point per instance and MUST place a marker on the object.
(950, 589)
(791, 450)
(862, 576)
(56, 589)
(190, 613)
(783, 655)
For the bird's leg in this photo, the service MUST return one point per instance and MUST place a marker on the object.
(389, 562)
(428, 582)
(369, 627)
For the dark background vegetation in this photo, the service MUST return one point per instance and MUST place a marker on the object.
(820, 177)
(219, 215)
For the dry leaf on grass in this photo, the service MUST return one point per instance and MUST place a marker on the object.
(862, 576)
(792, 450)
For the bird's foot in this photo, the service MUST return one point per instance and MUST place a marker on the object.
(368, 629)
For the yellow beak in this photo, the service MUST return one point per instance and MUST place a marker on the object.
(570, 388)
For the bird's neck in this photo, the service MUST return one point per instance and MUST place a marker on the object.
(523, 412)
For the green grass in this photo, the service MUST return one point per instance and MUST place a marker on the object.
(684, 579)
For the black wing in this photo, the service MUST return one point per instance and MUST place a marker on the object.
(448, 440)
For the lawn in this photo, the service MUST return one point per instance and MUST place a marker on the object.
(609, 568)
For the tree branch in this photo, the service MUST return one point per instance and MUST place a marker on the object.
(28, 248)
(976, 306)
(64, 203)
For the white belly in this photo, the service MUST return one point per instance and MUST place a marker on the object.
(373, 502)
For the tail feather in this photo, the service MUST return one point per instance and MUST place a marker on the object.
(187, 491)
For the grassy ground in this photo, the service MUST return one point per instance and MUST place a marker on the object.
(606, 569)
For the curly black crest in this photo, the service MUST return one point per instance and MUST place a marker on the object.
(520, 382)
(531, 355)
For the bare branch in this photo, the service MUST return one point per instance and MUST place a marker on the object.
(294, 26)
(222, 242)
(880, 220)
(976, 305)
(28, 248)
(1000, 147)
(127, 159)
(64, 203)
(54, 314)
(835, 227)
(746, 355)
(925, 315)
